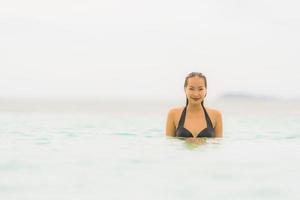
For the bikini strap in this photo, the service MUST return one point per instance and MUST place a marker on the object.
(182, 118)
(208, 121)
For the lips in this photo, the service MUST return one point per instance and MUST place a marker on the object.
(196, 99)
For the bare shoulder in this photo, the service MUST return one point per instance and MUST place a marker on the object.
(174, 114)
(216, 119)
(215, 115)
(213, 112)
(176, 110)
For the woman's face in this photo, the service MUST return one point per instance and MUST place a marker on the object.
(195, 90)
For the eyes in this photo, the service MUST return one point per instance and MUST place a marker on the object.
(193, 89)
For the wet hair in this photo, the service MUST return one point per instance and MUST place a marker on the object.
(194, 74)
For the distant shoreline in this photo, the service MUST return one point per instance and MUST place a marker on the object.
(119, 105)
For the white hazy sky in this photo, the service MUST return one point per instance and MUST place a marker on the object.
(143, 49)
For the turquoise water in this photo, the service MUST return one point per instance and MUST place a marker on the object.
(125, 155)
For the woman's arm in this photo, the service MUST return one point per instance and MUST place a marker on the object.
(219, 125)
(170, 126)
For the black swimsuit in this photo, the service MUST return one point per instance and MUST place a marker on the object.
(183, 132)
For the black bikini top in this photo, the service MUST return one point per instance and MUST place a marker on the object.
(183, 132)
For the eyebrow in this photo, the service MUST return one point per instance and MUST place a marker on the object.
(198, 87)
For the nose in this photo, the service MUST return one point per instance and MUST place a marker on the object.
(196, 94)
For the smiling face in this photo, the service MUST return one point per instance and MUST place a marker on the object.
(195, 90)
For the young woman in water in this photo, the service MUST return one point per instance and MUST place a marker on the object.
(194, 120)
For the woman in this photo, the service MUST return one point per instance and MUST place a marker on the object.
(194, 120)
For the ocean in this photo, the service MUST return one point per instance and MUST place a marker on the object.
(110, 150)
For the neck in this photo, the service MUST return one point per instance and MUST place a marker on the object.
(194, 107)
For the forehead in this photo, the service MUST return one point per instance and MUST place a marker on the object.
(196, 82)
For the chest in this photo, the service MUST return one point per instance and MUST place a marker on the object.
(194, 123)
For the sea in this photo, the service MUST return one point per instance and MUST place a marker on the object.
(112, 150)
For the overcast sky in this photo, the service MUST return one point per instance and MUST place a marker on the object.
(143, 49)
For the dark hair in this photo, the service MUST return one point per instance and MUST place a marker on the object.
(194, 74)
